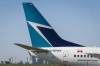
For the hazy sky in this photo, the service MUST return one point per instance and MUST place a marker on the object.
(74, 20)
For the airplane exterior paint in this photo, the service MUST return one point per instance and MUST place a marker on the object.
(47, 45)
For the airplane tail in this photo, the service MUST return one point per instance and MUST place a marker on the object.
(41, 33)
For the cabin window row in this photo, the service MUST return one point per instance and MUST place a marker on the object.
(83, 56)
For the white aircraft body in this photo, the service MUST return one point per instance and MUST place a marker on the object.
(69, 54)
(46, 44)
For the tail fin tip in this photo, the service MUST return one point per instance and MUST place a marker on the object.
(33, 15)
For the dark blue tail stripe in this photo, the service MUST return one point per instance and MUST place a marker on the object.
(54, 39)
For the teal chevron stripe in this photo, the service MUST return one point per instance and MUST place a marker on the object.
(36, 39)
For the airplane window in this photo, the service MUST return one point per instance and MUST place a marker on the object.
(84, 55)
(77, 55)
(91, 56)
(74, 55)
(81, 55)
(88, 56)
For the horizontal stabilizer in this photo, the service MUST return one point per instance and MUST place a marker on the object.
(30, 48)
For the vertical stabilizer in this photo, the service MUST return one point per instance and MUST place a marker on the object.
(41, 33)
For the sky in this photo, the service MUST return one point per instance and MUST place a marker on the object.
(77, 21)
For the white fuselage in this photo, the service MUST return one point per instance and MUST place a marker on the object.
(70, 54)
